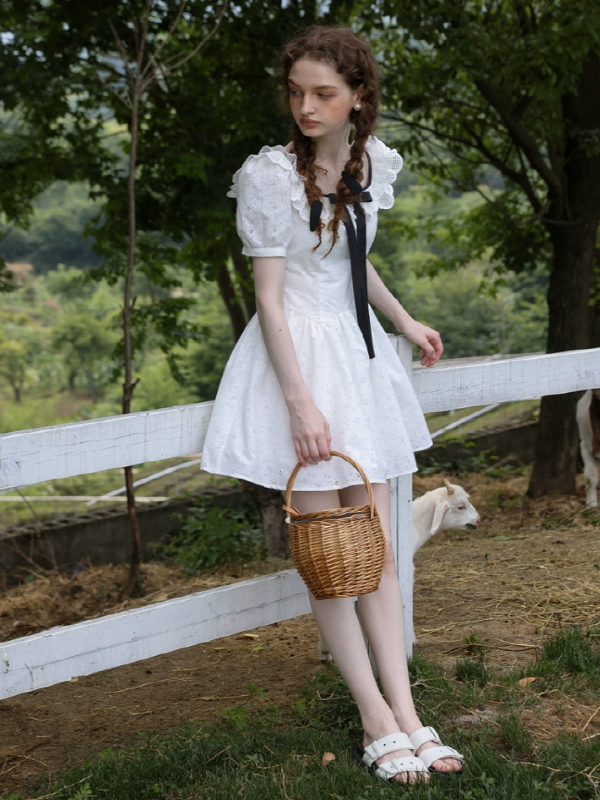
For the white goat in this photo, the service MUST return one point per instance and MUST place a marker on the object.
(588, 422)
(441, 509)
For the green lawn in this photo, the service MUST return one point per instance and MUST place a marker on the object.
(276, 753)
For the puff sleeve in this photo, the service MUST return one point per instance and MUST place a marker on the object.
(386, 164)
(264, 206)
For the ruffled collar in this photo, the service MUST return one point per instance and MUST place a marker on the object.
(386, 164)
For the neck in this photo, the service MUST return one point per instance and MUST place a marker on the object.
(422, 513)
(333, 148)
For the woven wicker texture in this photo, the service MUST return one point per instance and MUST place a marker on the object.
(338, 552)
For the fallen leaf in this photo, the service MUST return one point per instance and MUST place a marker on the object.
(526, 681)
(327, 759)
(251, 636)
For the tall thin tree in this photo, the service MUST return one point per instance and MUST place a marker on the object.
(140, 43)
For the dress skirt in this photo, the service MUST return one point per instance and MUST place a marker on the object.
(372, 410)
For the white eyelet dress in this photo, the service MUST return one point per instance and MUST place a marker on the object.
(373, 413)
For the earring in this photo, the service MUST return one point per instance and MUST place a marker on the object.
(357, 107)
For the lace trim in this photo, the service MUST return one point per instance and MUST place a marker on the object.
(386, 164)
(278, 155)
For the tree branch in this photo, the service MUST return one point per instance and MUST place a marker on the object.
(144, 39)
(125, 99)
(171, 31)
(121, 50)
(172, 67)
(523, 139)
(519, 178)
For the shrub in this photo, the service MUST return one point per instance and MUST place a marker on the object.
(212, 536)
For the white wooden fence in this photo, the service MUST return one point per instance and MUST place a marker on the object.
(32, 456)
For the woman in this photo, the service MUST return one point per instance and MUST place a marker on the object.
(315, 370)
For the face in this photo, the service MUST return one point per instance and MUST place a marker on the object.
(320, 98)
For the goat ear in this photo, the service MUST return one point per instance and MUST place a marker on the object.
(448, 485)
(441, 509)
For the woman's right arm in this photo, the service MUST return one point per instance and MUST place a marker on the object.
(310, 430)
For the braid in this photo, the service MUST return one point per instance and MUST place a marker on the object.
(353, 58)
(354, 167)
(306, 152)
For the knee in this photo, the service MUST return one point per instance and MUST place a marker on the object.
(390, 560)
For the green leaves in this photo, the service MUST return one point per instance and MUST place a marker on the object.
(485, 83)
(212, 535)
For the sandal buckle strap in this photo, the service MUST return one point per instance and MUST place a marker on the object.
(387, 744)
(396, 766)
(434, 753)
(423, 735)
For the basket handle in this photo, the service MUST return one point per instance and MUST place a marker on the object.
(357, 467)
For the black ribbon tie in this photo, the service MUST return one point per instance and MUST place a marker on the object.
(357, 243)
(315, 214)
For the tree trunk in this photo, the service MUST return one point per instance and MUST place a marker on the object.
(17, 393)
(595, 303)
(231, 301)
(133, 579)
(555, 465)
(128, 384)
(573, 233)
(270, 502)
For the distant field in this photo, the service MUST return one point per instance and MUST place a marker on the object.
(189, 480)
(513, 413)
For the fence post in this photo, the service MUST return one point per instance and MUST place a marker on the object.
(401, 517)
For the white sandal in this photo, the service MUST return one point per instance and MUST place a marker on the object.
(423, 735)
(367, 756)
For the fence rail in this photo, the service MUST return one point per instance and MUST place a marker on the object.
(441, 388)
(32, 456)
(62, 653)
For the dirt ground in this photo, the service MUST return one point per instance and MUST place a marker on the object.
(530, 568)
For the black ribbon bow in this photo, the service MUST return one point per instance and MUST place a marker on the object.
(357, 243)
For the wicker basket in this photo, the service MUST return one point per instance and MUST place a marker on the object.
(339, 552)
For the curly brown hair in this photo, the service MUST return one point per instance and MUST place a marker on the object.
(353, 59)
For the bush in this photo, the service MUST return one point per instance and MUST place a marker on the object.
(212, 536)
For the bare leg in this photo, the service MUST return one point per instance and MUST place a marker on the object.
(382, 616)
(340, 626)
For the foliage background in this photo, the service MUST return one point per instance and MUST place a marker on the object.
(476, 312)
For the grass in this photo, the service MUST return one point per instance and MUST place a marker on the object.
(274, 753)
(575, 651)
(472, 671)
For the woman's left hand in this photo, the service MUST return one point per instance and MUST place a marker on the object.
(426, 338)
